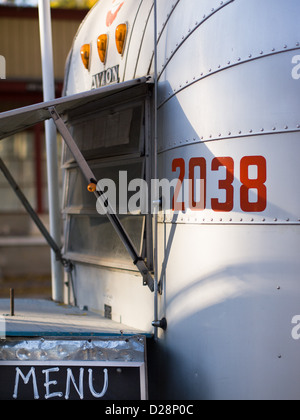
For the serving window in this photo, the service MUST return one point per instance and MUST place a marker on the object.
(116, 144)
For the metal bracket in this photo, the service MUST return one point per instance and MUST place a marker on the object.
(100, 195)
(160, 324)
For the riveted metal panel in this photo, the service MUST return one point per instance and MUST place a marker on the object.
(282, 174)
(228, 88)
(248, 99)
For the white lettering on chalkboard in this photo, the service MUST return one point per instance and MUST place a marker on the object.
(26, 380)
(48, 383)
(105, 387)
(79, 388)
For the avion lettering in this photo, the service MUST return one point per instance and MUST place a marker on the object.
(106, 77)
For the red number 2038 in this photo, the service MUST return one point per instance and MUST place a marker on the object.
(248, 183)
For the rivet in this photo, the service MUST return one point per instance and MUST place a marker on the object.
(239, 59)
(298, 126)
(285, 46)
(229, 134)
(261, 52)
(275, 220)
(274, 128)
(262, 130)
(297, 44)
(251, 131)
(286, 127)
(250, 55)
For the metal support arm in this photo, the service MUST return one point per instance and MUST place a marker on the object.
(100, 195)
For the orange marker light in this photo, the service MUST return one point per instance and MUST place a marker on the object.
(102, 47)
(85, 55)
(121, 33)
(92, 187)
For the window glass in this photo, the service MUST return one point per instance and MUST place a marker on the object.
(112, 141)
(79, 197)
(108, 133)
(95, 238)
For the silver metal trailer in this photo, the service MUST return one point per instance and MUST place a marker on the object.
(221, 113)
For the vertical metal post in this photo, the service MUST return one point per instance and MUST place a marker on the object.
(12, 302)
(155, 175)
(38, 168)
(51, 146)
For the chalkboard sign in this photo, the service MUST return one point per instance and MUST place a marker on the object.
(57, 382)
(63, 379)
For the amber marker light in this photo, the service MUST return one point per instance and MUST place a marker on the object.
(85, 53)
(92, 187)
(102, 42)
(121, 33)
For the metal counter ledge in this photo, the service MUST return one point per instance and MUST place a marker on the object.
(45, 318)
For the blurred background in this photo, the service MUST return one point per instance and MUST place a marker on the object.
(24, 254)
